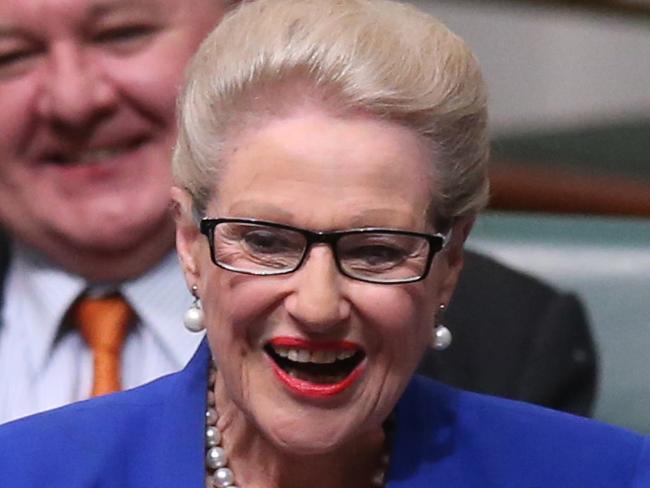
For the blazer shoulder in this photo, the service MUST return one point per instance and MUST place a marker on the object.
(514, 444)
(147, 436)
(92, 431)
(557, 447)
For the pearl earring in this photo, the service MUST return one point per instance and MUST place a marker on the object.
(193, 319)
(441, 337)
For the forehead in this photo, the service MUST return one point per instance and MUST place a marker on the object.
(324, 171)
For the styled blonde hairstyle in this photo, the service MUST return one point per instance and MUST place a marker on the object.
(378, 56)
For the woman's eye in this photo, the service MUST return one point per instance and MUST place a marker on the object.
(378, 254)
(267, 242)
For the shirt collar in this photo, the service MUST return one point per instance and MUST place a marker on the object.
(38, 294)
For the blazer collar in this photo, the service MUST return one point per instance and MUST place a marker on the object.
(180, 457)
(425, 437)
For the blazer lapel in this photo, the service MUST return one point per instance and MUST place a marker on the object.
(425, 437)
(180, 457)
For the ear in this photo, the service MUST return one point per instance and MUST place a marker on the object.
(188, 237)
(453, 255)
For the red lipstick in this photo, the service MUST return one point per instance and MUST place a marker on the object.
(311, 389)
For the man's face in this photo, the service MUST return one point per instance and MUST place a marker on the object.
(87, 97)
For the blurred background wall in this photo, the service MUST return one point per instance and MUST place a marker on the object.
(570, 93)
(551, 67)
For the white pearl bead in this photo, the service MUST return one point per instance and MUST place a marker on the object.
(216, 458)
(193, 319)
(223, 478)
(441, 338)
(211, 416)
(212, 436)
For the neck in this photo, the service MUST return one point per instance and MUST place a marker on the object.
(258, 463)
(116, 267)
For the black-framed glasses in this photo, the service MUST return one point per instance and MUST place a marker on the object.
(373, 255)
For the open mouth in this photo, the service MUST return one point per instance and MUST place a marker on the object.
(317, 366)
(92, 156)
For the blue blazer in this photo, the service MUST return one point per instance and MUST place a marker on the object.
(153, 436)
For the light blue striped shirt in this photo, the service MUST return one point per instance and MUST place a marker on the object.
(43, 365)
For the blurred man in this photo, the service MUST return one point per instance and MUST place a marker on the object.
(87, 90)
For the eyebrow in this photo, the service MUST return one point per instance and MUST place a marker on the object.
(98, 9)
(8, 31)
(246, 207)
(374, 217)
(103, 7)
(366, 218)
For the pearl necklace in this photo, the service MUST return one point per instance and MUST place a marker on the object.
(219, 475)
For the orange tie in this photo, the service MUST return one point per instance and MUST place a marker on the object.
(104, 323)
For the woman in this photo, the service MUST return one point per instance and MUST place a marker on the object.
(330, 163)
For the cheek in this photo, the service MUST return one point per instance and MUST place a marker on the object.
(239, 313)
(152, 79)
(215, 300)
(16, 118)
(17, 129)
(397, 316)
(238, 310)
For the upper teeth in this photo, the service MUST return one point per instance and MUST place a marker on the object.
(306, 356)
(94, 155)
(100, 154)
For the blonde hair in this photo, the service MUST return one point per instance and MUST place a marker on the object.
(380, 56)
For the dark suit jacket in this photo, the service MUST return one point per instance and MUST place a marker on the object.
(516, 337)
(513, 337)
(154, 436)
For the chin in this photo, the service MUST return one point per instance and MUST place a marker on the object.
(110, 244)
(113, 242)
(112, 228)
(307, 444)
(311, 434)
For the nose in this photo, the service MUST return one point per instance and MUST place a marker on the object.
(75, 92)
(317, 301)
